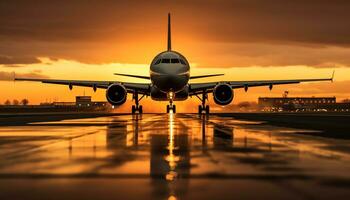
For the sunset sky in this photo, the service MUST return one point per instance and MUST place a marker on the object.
(245, 39)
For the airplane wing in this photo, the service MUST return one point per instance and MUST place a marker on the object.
(133, 76)
(141, 88)
(199, 88)
(205, 76)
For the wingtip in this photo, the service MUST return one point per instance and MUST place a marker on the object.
(332, 78)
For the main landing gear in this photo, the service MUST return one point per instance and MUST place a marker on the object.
(203, 108)
(136, 108)
(171, 107)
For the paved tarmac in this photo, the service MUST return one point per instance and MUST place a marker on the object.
(169, 156)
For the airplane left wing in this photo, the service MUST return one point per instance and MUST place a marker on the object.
(142, 88)
(198, 88)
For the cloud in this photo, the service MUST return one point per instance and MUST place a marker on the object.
(103, 31)
(315, 21)
(15, 60)
(337, 88)
(14, 66)
(266, 55)
(9, 76)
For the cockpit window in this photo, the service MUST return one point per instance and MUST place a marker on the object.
(157, 62)
(175, 60)
(172, 61)
(165, 60)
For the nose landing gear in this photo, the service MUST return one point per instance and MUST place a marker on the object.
(171, 107)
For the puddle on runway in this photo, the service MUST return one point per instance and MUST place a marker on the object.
(177, 154)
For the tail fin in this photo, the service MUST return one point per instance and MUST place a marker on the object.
(169, 33)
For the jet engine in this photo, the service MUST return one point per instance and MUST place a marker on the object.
(223, 94)
(116, 94)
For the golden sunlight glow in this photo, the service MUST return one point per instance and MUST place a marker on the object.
(171, 158)
(73, 70)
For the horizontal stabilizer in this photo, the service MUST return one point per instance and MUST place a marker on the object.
(134, 76)
(205, 76)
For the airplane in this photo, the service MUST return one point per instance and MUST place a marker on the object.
(169, 77)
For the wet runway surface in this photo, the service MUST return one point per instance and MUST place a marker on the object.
(161, 156)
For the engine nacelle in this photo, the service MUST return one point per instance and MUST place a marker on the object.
(223, 94)
(116, 94)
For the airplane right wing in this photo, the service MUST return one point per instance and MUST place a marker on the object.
(199, 88)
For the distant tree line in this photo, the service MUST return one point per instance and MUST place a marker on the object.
(16, 102)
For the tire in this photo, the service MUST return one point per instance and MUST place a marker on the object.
(167, 109)
(140, 109)
(133, 109)
(174, 109)
(207, 110)
(200, 109)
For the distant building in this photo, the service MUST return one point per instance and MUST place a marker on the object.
(83, 101)
(302, 104)
(81, 104)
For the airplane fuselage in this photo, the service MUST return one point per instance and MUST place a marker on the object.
(169, 74)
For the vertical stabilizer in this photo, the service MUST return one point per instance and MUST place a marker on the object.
(169, 33)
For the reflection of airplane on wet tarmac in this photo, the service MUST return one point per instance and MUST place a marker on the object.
(169, 76)
(170, 158)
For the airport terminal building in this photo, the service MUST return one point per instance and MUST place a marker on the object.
(302, 104)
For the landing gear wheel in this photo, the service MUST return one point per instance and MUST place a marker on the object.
(200, 109)
(169, 108)
(207, 109)
(133, 109)
(136, 108)
(140, 109)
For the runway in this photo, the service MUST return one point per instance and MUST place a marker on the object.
(169, 156)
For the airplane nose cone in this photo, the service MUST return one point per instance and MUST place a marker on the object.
(171, 82)
(170, 77)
